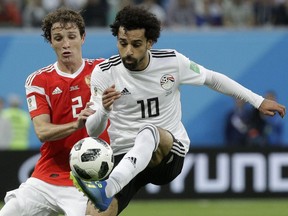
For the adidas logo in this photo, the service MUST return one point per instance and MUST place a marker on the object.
(170, 159)
(132, 160)
(125, 92)
(57, 90)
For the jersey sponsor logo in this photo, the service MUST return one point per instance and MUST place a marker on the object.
(167, 81)
(57, 90)
(31, 101)
(194, 67)
(74, 88)
(125, 91)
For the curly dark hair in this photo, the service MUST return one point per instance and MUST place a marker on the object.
(63, 16)
(135, 17)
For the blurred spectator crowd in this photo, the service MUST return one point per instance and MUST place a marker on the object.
(246, 126)
(15, 124)
(172, 13)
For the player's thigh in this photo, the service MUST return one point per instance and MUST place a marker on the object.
(25, 201)
(111, 211)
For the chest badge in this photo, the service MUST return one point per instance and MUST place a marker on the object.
(167, 81)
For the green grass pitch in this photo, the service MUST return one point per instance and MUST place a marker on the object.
(232, 207)
(260, 207)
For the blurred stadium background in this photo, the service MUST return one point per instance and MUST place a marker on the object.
(216, 180)
(256, 58)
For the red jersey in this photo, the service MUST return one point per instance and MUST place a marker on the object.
(62, 96)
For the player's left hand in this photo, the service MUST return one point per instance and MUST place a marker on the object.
(270, 107)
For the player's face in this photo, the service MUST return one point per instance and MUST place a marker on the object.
(133, 46)
(67, 43)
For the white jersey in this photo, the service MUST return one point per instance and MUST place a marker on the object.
(148, 96)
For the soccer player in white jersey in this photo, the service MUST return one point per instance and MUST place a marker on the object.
(57, 97)
(138, 90)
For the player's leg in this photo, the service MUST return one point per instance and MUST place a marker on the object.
(137, 158)
(165, 166)
(29, 200)
(152, 144)
(11, 208)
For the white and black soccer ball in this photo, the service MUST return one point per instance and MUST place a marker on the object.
(91, 159)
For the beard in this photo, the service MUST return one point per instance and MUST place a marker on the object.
(132, 65)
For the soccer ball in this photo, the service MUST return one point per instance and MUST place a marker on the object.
(91, 159)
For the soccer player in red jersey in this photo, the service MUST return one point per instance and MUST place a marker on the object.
(58, 100)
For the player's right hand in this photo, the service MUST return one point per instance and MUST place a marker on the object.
(109, 96)
(84, 114)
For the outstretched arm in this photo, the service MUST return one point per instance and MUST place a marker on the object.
(221, 83)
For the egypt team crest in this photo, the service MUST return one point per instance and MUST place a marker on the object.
(167, 81)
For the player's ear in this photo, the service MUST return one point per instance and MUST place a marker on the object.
(149, 44)
(83, 38)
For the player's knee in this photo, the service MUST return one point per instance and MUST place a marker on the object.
(154, 132)
(166, 140)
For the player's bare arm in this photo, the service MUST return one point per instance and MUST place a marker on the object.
(270, 107)
(109, 96)
(46, 131)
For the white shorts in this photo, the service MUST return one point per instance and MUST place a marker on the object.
(36, 197)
